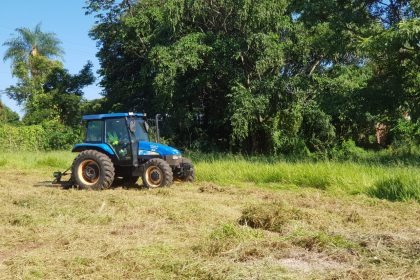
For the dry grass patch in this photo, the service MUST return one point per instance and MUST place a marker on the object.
(269, 216)
(200, 231)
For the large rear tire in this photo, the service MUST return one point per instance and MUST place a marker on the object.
(93, 170)
(157, 173)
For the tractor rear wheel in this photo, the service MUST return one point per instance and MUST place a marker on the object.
(93, 170)
(157, 173)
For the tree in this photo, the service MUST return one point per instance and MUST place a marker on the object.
(62, 94)
(44, 86)
(7, 115)
(31, 43)
(28, 44)
(56, 95)
(261, 76)
(31, 53)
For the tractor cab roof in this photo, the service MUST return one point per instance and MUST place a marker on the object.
(112, 115)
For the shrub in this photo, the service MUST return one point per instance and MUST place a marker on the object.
(349, 151)
(317, 130)
(60, 137)
(18, 138)
(396, 189)
(49, 136)
(407, 132)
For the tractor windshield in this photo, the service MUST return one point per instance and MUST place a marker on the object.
(141, 133)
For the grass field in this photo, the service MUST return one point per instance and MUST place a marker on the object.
(242, 219)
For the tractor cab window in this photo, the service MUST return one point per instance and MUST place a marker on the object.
(94, 131)
(116, 134)
(141, 133)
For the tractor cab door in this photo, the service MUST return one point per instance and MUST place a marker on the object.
(118, 137)
(132, 128)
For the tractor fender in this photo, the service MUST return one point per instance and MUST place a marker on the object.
(100, 147)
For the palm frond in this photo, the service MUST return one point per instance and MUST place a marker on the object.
(27, 42)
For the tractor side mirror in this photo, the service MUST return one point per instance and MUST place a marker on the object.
(132, 126)
(146, 127)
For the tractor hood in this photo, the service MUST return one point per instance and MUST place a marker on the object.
(151, 148)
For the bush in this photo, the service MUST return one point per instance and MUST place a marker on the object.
(60, 137)
(396, 189)
(349, 151)
(317, 130)
(406, 132)
(49, 136)
(22, 138)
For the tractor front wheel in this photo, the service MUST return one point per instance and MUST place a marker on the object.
(93, 170)
(188, 171)
(157, 173)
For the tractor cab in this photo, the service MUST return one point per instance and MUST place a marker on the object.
(122, 140)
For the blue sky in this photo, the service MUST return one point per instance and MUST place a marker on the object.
(67, 19)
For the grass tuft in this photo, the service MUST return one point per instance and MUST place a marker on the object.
(321, 241)
(313, 180)
(272, 216)
(21, 220)
(354, 217)
(24, 203)
(210, 188)
(227, 237)
(396, 189)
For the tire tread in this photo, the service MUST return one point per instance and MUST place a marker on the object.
(105, 164)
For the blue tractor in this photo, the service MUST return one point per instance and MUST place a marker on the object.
(118, 146)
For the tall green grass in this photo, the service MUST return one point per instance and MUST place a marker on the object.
(350, 177)
(397, 189)
(392, 182)
(36, 160)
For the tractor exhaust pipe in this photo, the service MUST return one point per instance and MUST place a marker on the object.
(157, 118)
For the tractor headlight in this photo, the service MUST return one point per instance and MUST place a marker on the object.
(173, 160)
(147, 153)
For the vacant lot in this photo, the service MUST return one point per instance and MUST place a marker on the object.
(240, 220)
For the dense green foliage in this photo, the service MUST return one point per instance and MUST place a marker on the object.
(7, 115)
(272, 76)
(263, 76)
(48, 136)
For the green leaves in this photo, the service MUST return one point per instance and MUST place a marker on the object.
(262, 76)
(31, 43)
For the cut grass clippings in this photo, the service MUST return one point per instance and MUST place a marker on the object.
(255, 220)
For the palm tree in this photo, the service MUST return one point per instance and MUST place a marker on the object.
(32, 43)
